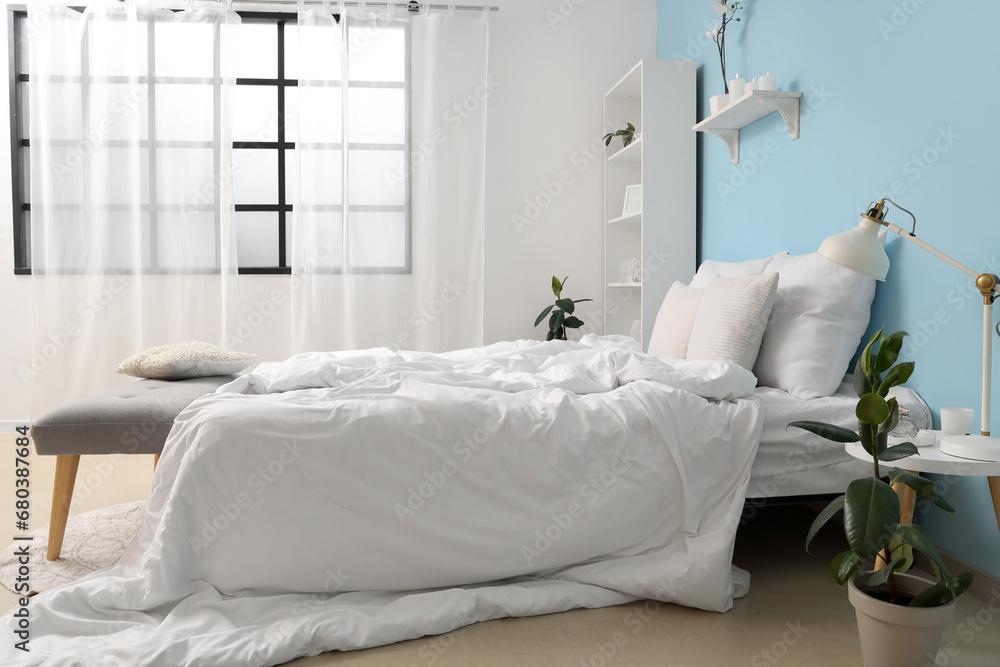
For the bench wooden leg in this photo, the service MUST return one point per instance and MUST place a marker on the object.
(907, 502)
(995, 492)
(62, 495)
(156, 460)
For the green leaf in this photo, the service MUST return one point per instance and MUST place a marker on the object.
(941, 594)
(566, 305)
(893, 419)
(861, 384)
(882, 576)
(923, 486)
(871, 514)
(543, 314)
(900, 549)
(572, 322)
(557, 286)
(866, 356)
(630, 126)
(828, 431)
(872, 409)
(918, 538)
(888, 351)
(896, 375)
(550, 335)
(581, 300)
(844, 565)
(900, 451)
(836, 505)
(556, 321)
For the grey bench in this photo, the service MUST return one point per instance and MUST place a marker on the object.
(132, 419)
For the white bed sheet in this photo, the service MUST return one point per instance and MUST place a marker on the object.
(792, 462)
(278, 523)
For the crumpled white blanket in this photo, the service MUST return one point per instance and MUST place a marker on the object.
(344, 500)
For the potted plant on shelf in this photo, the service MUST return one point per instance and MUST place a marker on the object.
(562, 317)
(901, 617)
(627, 135)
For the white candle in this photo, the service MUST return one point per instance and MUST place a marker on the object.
(737, 87)
(751, 86)
(768, 82)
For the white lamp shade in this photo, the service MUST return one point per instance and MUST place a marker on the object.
(858, 249)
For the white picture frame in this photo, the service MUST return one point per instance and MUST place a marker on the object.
(633, 199)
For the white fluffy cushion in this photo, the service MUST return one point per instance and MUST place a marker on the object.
(731, 318)
(711, 268)
(674, 321)
(821, 312)
(189, 359)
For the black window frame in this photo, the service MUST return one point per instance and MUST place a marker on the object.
(17, 15)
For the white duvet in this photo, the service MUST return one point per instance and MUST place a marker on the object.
(344, 500)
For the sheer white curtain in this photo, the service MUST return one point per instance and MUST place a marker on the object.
(131, 202)
(387, 178)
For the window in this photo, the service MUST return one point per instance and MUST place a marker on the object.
(355, 138)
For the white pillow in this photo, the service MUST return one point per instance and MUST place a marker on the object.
(817, 322)
(674, 320)
(189, 359)
(711, 268)
(731, 319)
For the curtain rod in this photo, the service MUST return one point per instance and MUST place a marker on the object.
(382, 5)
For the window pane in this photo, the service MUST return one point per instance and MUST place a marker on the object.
(119, 175)
(64, 96)
(256, 51)
(313, 52)
(185, 112)
(185, 49)
(128, 37)
(376, 239)
(186, 240)
(376, 177)
(257, 238)
(323, 235)
(322, 175)
(377, 115)
(255, 113)
(255, 176)
(119, 110)
(24, 155)
(320, 114)
(376, 54)
(185, 176)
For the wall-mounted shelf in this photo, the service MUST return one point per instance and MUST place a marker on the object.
(624, 284)
(753, 106)
(631, 153)
(635, 216)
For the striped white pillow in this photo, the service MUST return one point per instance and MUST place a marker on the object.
(732, 317)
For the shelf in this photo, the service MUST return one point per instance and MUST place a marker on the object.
(630, 153)
(727, 123)
(624, 284)
(628, 217)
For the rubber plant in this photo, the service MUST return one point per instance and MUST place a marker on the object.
(870, 506)
(627, 134)
(561, 317)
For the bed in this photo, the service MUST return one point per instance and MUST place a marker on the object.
(341, 500)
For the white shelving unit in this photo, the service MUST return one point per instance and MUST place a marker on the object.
(658, 98)
(727, 123)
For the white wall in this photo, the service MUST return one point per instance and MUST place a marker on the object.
(551, 62)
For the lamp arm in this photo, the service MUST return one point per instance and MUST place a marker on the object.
(916, 240)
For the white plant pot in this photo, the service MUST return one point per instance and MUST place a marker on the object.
(897, 636)
(718, 102)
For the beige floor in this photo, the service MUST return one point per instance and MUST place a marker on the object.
(794, 614)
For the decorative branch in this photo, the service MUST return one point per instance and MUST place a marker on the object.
(727, 14)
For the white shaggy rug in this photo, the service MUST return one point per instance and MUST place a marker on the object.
(94, 541)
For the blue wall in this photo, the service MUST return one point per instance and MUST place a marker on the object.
(899, 99)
